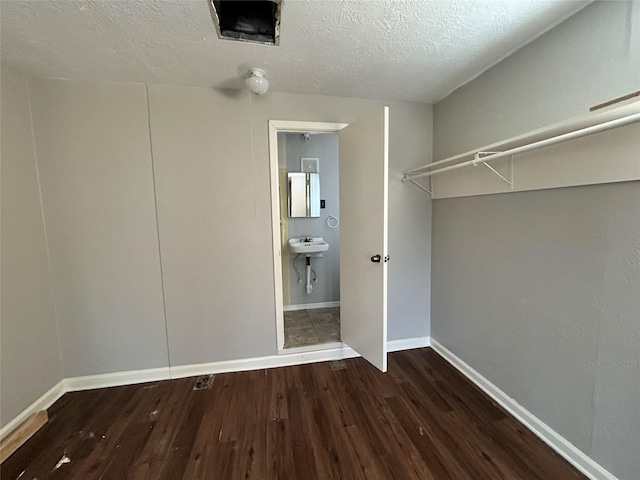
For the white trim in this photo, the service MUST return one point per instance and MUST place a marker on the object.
(115, 379)
(42, 403)
(408, 343)
(310, 306)
(549, 436)
(260, 363)
(275, 233)
(392, 345)
(333, 351)
(312, 348)
(275, 127)
(294, 126)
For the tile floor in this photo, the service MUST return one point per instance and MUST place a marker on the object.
(311, 327)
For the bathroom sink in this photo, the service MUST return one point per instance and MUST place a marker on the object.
(308, 245)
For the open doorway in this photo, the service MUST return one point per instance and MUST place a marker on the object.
(362, 218)
(308, 174)
(305, 187)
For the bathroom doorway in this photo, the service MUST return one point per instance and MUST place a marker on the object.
(309, 218)
(362, 237)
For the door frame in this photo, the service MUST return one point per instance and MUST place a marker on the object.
(275, 127)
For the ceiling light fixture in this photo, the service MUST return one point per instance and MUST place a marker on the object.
(256, 83)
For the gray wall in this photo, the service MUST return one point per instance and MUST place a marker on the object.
(97, 188)
(539, 291)
(211, 157)
(210, 172)
(327, 268)
(592, 57)
(29, 354)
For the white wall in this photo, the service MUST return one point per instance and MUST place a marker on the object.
(327, 288)
(538, 291)
(211, 166)
(29, 355)
(94, 160)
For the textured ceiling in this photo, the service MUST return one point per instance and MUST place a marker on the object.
(391, 49)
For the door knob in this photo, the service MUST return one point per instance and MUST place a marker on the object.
(376, 259)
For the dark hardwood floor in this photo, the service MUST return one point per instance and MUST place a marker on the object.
(421, 420)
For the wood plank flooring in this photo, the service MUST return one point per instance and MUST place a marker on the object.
(421, 420)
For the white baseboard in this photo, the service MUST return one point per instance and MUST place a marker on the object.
(549, 436)
(165, 373)
(42, 403)
(287, 359)
(310, 306)
(311, 348)
(258, 363)
(116, 379)
(408, 343)
(392, 346)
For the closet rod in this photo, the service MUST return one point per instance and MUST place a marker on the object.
(414, 171)
(559, 128)
(620, 122)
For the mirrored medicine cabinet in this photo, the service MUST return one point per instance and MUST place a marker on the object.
(304, 194)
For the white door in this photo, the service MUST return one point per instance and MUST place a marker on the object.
(364, 159)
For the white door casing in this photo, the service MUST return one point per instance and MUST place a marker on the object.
(275, 127)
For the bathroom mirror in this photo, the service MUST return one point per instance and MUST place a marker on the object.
(304, 194)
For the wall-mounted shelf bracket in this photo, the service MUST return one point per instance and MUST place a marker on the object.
(422, 186)
(566, 130)
(484, 157)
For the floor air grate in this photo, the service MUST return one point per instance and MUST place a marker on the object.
(338, 365)
(204, 382)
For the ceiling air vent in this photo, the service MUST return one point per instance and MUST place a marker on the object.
(256, 21)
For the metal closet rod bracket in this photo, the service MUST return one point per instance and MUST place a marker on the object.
(484, 157)
(422, 186)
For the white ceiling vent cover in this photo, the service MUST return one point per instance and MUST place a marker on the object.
(309, 165)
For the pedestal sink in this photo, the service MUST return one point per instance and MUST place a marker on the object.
(309, 246)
